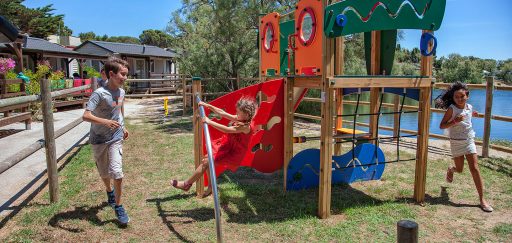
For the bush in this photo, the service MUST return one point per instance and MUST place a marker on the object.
(91, 72)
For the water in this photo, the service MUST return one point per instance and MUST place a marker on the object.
(499, 129)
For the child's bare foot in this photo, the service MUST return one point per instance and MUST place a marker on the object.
(208, 192)
(486, 207)
(449, 175)
(181, 185)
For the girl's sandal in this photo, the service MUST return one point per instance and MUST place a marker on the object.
(186, 186)
(207, 193)
(449, 175)
(486, 208)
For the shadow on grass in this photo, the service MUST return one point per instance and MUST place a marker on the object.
(248, 197)
(179, 125)
(201, 214)
(442, 199)
(36, 185)
(263, 199)
(90, 214)
(500, 165)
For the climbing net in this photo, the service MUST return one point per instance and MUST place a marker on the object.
(361, 137)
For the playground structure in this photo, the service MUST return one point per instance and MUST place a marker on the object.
(303, 50)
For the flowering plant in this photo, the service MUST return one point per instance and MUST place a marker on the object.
(6, 64)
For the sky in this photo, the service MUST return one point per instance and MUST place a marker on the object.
(480, 28)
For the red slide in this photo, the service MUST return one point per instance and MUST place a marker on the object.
(265, 149)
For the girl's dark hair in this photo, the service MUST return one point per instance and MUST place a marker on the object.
(445, 99)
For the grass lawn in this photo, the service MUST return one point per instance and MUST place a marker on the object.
(254, 207)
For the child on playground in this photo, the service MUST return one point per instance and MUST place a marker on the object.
(231, 146)
(105, 111)
(457, 120)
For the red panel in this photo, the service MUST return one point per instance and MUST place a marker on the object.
(263, 161)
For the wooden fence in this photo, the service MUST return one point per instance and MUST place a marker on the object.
(45, 98)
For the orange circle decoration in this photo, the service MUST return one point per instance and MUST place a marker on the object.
(307, 26)
(268, 39)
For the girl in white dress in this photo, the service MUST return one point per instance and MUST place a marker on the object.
(457, 120)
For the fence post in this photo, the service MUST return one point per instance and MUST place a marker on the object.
(407, 231)
(184, 92)
(49, 138)
(237, 81)
(487, 116)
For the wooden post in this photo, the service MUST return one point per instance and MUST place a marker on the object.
(406, 231)
(374, 92)
(184, 92)
(49, 138)
(487, 116)
(396, 117)
(423, 131)
(94, 83)
(324, 192)
(237, 84)
(288, 126)
(339, 62)
(198, 135)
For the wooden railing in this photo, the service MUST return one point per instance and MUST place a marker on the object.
(49, 134)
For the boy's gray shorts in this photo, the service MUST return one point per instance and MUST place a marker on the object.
(109, 159)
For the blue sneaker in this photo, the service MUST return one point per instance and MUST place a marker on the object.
(111, 198)
(121, 214)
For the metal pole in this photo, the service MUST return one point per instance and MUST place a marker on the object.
(213, 177)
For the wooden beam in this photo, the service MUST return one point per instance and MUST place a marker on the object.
(374, 91)
(324, 192)
(314, 82)
(15, 118)
(376, 82)
(339, 62)
(488, 115)
(198, 136)
(49, 138)
(288, 126)
(423, 131)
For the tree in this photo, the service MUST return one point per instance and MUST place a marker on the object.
(156, 38)
(122, 39)
(218, 38)
(37, 22)
(87, 36)
(505, 70)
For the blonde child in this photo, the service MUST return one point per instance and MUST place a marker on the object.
(231, 147)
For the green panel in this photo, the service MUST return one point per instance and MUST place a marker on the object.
(387, 50)
(286, 28)
(270, 72)
(389, 15)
